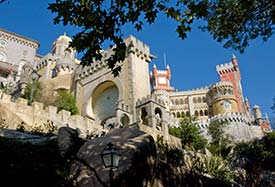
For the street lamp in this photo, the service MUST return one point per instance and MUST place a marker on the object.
(110, 157)
(34, 76)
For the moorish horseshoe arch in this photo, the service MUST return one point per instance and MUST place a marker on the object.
(93, 90)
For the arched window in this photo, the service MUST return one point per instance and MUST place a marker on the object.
(199, 100)
(173, 113)
(204, 99)
(158, 112)
(144, 116)
(124, 120)
(194, 100)
(188, 114)
(172, 101)
(201, 113)
(206, 112)
(176, 101)
(3, 56)
(178, 115)
(196, 113)
(181, 101)
(182, 114)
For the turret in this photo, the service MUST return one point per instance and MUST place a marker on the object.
(60, 47)
(257, 115)
(160, 79)
(229, 72)
(235, 61)
(221, 98)
(66, 61)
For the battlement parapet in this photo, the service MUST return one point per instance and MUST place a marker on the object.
(36, 114)
(124, 107)
(163, 88)
(222, 84)
(91, 69)
(48, 59)
(148, 99)
(164, 72)
(202, 90)
(133, 41)
(221, 90)
(225, 68)
(231, 117)
(138, 48)
(65, 67)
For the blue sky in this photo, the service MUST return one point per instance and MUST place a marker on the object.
(192, 60)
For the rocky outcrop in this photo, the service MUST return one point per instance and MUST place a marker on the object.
(139, 165)
(136, 165)
(25, 137)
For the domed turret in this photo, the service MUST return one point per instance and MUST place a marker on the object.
(60, 47)
(65, 55)
(221, 98)
(257, 114)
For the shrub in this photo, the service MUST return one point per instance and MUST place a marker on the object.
(66, 101)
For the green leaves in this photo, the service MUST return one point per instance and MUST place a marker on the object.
(236, 22)
(66, 101)
(101, 21)
(189, 134)
(233, 22)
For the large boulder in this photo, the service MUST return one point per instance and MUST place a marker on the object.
(135, 169)
(68, 142)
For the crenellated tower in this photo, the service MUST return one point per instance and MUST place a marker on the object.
(160, 79)
(221, 98)
(160, 83)
(230, 72)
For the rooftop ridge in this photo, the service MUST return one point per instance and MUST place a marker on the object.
(9, 34)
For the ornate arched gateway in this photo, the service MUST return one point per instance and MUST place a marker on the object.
(104, 102)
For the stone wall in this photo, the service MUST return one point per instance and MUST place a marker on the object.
(238, 126)
(36, 115)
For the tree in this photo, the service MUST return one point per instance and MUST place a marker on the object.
(221, 143)
(66, 101)
(34, 87)
(234, 22)
(189, 134)
(257, 156)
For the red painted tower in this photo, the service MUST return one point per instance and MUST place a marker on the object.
(231, 72)
(160, 79)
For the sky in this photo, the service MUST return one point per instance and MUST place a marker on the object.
(192, 61)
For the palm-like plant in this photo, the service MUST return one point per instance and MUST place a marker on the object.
(212, 166)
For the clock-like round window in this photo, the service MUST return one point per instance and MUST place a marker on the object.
(3, 56)
(227, 105)
(3, 43)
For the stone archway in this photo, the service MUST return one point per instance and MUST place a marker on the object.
(104, 102)
(124, 120)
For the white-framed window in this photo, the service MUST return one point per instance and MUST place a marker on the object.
(3, 56)
(162, 80)
(226, 105)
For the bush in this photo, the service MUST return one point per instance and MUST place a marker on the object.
(66, 101)
(189, 134)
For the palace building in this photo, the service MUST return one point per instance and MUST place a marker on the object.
(134, 98)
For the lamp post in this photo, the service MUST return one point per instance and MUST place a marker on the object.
(110, 158)
(34, 76)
